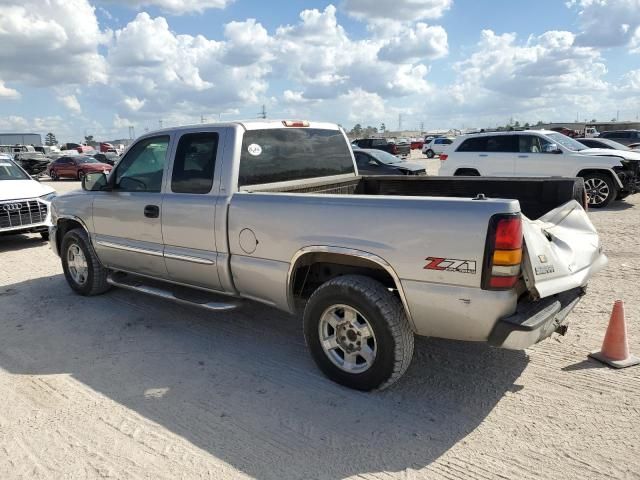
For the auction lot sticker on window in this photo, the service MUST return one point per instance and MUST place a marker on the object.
(254, 149)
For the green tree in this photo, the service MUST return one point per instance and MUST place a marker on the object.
(50, 139)
(383, 127)
(517, 124)
(526, 125)
(539, 123)
(356, 130)
(593, 120)
(614, 119)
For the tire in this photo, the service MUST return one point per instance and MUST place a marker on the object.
(378, 312)
(81, 175)
(95, 277)
(53, 175)
(601, 190)
(430, 153)
(466, 172)
(44, 235)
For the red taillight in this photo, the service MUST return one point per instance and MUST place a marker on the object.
(443, 157)
(394, 149)
(295, 123)
(503, 254)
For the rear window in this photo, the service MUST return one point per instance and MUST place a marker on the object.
(280, 155)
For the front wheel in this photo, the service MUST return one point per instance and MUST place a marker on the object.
(81, 175)
(601, 190)
(430, 153)
(82, 268)
(358, 333)
(53, 175)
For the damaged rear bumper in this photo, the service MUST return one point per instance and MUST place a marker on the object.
(534, 320)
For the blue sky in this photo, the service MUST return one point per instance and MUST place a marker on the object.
(100, 66)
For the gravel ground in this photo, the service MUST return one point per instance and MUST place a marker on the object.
(126, 386)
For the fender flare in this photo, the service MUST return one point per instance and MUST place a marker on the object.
(608, 170)
(348, 252)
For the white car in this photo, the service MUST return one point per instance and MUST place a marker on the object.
(436, 146)
(543, 153)
(24, 202)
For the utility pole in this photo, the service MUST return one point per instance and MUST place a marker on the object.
(132, 132)
(160, 123)
(617, 115)
(201, 118)
(399, 122)
(421, 127)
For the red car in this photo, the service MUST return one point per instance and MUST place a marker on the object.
(76, 167)
(417, 144)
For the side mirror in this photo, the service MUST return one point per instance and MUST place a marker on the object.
(94, 182)
(551, 148)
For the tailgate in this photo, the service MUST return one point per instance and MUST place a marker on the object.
(563, 250)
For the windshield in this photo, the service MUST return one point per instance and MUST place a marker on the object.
(566, 142)
(284, 154)
(87, 160)
(10, 171)
(384, 157)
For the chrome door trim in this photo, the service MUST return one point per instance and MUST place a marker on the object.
(349, 252)
(189, 258)
(119, 246)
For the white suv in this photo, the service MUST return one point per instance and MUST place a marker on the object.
(436, 146)
(542, 153)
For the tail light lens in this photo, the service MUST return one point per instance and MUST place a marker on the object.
(503, 255)
(295, 123)
(443, 157)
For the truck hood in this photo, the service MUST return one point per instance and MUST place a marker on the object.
(22, 189)
(563, 250)
(607, 152)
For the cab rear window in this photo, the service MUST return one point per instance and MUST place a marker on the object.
(285, 154)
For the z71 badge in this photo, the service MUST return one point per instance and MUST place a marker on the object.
(451, 265)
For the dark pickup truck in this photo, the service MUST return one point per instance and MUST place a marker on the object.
(398, 149)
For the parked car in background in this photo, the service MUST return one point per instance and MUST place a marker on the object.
(626, 137)
(602, 143)
(108, 157)
(367, 262)
(398, 149)
(543, 153)
(34, 163)
(565, 131)
(417, 143)
(24, 202)
(76, 167)
(377, 162)
(437, 146)
(591, 132)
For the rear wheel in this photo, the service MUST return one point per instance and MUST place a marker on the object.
(601, 190)
(430, 153)
(358, 333)
(81, 175)
(53, 175)
(466, 172)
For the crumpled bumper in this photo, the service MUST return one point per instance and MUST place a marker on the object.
(534, 320)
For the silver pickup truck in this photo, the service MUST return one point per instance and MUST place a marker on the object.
(275, 212)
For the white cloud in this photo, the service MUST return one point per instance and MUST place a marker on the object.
(403, 10)
(7, 93)
(175, 7)
(71, 103)
(247, 42)
(414, 44)
(608, 23)
(51, 43)
(133, 103)
(546, 76)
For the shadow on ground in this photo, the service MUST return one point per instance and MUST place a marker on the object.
(241, 385)
(13, 242)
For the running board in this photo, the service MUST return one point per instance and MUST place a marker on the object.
(175, 293)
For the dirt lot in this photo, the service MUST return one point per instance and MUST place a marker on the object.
(126, 386)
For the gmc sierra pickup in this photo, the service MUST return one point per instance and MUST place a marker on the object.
(275, 212)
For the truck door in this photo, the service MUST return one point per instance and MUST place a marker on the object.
(189, 209)
(127, 219)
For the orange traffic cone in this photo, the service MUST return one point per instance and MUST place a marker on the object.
(615, 348)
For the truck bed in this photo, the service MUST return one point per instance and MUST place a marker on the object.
(537, 196)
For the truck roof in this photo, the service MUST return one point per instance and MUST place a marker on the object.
(251, 124)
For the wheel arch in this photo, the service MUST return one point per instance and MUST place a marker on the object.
(339, 261)
(65, 224)
(600, 171)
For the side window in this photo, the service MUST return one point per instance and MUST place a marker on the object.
(378, 142)
(502, 143)
(474, 144)
(529, 144)
(447, 141)
(195, 162)
(361, 160)
(141, 169)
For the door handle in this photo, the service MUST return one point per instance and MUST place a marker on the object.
(152, 211)
(483, 155)
(523, 156)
